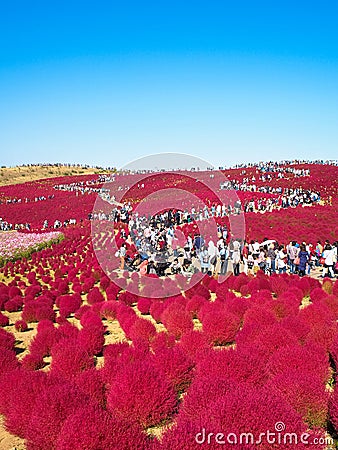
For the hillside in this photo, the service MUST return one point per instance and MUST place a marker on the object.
(21, 174)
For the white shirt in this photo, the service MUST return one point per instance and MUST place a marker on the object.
(329, 257)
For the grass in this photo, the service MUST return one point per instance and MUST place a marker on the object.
(15, 175)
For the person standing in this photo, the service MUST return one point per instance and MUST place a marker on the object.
(204, 260)
(272, 256)
(303, 260)
(245, 254)
(281, 256)
(122, 254)
(236, 256)
(198, 243)
(224, 256)
(213, 253)
(319, 252)
(328, 256)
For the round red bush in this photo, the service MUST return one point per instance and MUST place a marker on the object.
(176, 320)
(91, 428)
(21, 326)
(141, 394)
(69, 359)
(4, 320)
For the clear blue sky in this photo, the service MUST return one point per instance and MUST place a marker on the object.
(107, 82)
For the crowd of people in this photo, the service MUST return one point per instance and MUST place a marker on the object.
(274, 165)
(19, 200)
(161, 248)
(7, 226)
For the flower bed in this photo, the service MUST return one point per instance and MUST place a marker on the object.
(14, 245)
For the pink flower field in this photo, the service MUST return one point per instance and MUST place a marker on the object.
(13, 243)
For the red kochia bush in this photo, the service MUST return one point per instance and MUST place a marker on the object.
(253, 409)
(63, 400)
(104, 283)
(334, 350)
(81, 311)
(203, 391)
(36, 310)
(90, 318)
(140, 393)
(128, 298)
(297, 326)
(318, 294)
(306, 394)
(194, 305)
(220, 328)
(284, 305)
(7, 340)
(176, 366)
(308, 358)
(112, 355)
(4, 320)
(274, 337)
(33, 290)
(322, 335)
(259, 316)
(156, 309)
(68, 304)
(14, 304)
(143, 305)
(95, 296)
(8, 361)
(335, 289)
(236, 305)
(182, 436)
(235, 365)
(142, 329)
(90, 382)
(162, 340)
(278, 284)
(69, 359)
(67, 330)
(331, 302)
(32, 361)
(21, 325)
(91, 338)
(3, 299)
(176, 320)
(23, 385)
(14, 291)
(44, 340)
(333, 409)
(108, 310)
(193, 344)
(91, 428)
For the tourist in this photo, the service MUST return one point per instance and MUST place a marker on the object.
(329, 260)
(281, 260)
(236, 256)
(303, 257)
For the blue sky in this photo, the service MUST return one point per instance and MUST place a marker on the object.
(105, 83)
